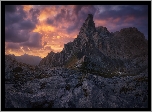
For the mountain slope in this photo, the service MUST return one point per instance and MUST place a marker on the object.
(107, 52)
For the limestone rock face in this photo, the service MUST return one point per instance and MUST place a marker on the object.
(69, 89)
(114, 51)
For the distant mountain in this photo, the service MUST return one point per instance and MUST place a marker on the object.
(28, 59)
(13, 67)
(97, 50)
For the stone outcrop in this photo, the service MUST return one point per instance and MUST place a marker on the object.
(17, 72)
(65, 88)
(112, 51)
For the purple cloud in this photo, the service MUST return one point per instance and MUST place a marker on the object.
(35, 14)
(35, 40)
(27, 25)
(17, 24)
(11, 45)
(12, 35)
(10, 8)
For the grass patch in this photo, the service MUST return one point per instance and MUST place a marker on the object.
(71, 62)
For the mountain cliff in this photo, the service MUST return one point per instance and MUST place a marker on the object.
(125, 50)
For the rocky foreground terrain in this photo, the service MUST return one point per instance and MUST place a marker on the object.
(98, 69)
(61, 88)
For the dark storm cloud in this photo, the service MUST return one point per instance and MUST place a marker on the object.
(123, 11)
(77, 8)
(41, 7)
(10, 8)
(12, 18)
(49, 21)
(17, 26)
(15, 16)
(11, 35)
(80, 8)
(27, 25)
(81, 12)
(35, 40)
(35, 13)
(11, 45)
(74, 19)
(73, 27)
(61, 15)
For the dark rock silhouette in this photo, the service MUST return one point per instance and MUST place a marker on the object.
(107, 51)
(28, 59)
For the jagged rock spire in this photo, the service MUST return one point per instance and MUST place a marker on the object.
(88, 27)
(89, 23)
(91, 41)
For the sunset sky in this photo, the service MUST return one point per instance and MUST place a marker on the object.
(40, 29)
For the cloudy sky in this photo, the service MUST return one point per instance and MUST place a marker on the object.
(39, 29)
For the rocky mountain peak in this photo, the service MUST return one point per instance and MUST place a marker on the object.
(88, 26)
(89, 23)
(106, 51)
(89, 19)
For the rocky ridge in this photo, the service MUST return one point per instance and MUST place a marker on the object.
(93, 71)
(125, 50)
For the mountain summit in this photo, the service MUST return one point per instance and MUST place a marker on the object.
(89, 24)
(98, 50)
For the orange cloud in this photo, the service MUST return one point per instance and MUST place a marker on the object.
(128, 19)
(100, 22)
(116, 20)
(46, 12)
(53, 36)
(58, 37)
(42, 28)
(16, 52)
(27, 7)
